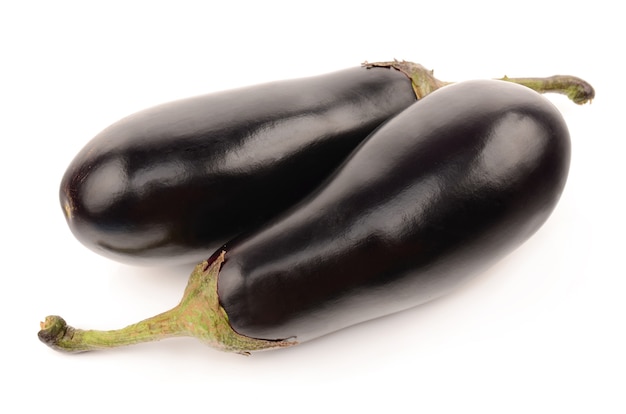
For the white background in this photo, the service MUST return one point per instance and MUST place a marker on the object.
(542, 332)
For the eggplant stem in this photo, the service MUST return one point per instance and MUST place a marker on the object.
(424, 81)
(576, 89)
(198, 315)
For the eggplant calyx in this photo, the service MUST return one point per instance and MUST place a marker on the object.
(423, 80)
(198, 315)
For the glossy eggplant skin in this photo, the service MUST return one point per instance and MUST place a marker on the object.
(436, 195)
(172, 183)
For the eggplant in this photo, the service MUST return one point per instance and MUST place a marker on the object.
(172, 183)
(435, 196)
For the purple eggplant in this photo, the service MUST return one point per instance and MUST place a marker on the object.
(171, 183)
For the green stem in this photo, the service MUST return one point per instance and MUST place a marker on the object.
(58, 335)
(199, 315)
(576, 89)
(424, 82)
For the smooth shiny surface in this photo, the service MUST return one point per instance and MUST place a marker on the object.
(436, 195)
(173, 183)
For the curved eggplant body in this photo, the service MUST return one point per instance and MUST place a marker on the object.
(171, 183)
(437, 194)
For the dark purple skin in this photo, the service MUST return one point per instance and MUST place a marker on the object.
(436, 195)
(171, 183)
